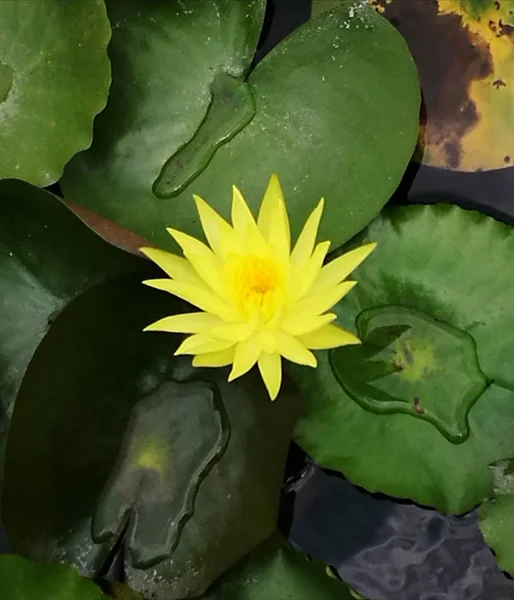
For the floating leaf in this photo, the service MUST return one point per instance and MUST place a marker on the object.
(47, 257)
(54, 79)
(275, 571)
(497, 515)
(113, 437)
(336, 116)
(22, 579)
(465, 57)
(426, 403)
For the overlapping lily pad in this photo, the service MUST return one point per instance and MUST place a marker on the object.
(54, 79)
(276, 571)
(336, 115)
(47, 257)
(423, 407)
(497, 515)
(115, 441)
(22, 579)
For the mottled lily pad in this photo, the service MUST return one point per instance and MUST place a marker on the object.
(336, 115)
(22, 579)
(54, 79)
(114, 442)
(497, 515)
(423, 407)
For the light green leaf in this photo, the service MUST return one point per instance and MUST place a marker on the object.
(23, 579)
(54, 79)
(497, 515)
(423, 407)
(274, 571)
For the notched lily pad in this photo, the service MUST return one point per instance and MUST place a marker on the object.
(409, 363)
(174, 437)
(54, 79)
(336, 116)
(114, 436)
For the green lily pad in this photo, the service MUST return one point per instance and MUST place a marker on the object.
(22, 579)
(114, 441)
(423, 407)
(276, 571)
(47, 257)
(336, 115)
(54, 79)
(497, 515)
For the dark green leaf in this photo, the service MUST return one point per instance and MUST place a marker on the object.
(276, 572)
(23, 579)
(497, 515)
(54, 79)
(47, 257)
(426, 403)
(113, 437)
(321, 6)
(336, 116)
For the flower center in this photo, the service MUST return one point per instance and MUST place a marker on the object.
(256, 284)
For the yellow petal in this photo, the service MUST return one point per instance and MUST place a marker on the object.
(222, 358)
(203, 298)
(318, 303)
(175, 266)
(201, 343)
(186, 323)
(245, 225)
(328, 336)
(270, 367)
(305, 244)
(235, 332)
(204, 261)
(339, 268)
(299, 326)
(304, 277)
(293, 350)
(273, 221)
(220, 235)
(245, 356)
(266, 339)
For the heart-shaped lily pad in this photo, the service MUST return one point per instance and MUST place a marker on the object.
(113, 441)
(54, 79)
(276, 571)
(336, 115)
(497, 515)
(22, 579)
(425, 404)
(47, 257)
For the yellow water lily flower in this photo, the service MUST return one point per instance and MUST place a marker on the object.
(259, 300)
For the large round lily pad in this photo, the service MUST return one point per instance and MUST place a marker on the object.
(54, 79)
(336, 115)
(425, 404)
(113, 440)
(22, 579)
